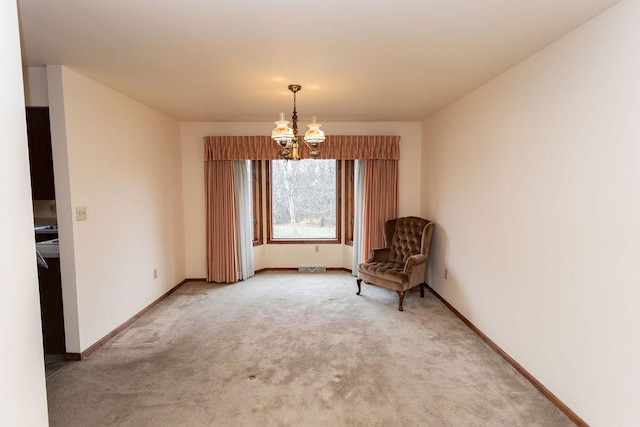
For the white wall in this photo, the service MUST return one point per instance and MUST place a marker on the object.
(285, 256)
(23, 398)
(35, 87)
(534, 183)
(120, 160)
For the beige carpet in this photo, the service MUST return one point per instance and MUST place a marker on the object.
(293, 349)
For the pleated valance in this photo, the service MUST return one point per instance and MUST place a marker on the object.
(339, 147)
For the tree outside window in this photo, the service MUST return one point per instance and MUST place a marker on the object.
(304, 201)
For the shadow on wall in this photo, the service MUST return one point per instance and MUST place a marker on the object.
(437, 258)
(440, 277)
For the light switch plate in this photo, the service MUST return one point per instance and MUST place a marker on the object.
(81, 213)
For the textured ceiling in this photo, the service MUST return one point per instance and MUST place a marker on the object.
(203, 60)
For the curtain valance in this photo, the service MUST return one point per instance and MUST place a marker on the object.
(340, 147)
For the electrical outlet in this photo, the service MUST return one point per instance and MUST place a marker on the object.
(317, 248)
(81, 213)
(155, 273)
(446, 273)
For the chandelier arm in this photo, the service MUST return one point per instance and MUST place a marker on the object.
(313, 149)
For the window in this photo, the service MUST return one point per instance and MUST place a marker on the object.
(303, 201)
(349, 200)
(256, 179)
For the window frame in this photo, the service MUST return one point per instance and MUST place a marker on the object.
(256, 182)
(336, 240)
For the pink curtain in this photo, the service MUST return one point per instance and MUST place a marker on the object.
(240, 148)
(339, 147)
(362, 147)
(380, 201)
(222, 236)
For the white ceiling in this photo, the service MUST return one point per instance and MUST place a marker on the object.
(357, 60)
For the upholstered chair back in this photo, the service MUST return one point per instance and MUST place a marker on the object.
(406, 237)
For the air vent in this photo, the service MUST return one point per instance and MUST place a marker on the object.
(312, 269)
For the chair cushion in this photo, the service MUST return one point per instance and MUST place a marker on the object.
(388, 271)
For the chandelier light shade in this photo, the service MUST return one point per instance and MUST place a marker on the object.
(282, 132)
(287, 138)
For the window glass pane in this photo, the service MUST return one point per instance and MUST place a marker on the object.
(303, 199)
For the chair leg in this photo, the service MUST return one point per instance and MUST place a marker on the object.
(421, 290)
(358, 281)
(401, 295)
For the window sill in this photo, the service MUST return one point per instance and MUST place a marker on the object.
(303, 242)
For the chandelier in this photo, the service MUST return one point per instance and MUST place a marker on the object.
(288, 139)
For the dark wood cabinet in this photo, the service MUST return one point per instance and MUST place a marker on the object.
(40, 157)
(51, 307)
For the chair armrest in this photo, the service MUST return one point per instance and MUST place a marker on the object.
(379, 255)
(414, 260)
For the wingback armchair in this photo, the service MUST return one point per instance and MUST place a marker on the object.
(402, 263)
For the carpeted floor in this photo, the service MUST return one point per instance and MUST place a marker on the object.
(52, 364)
(293, 349)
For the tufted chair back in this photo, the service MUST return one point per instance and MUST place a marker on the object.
(407, 236)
